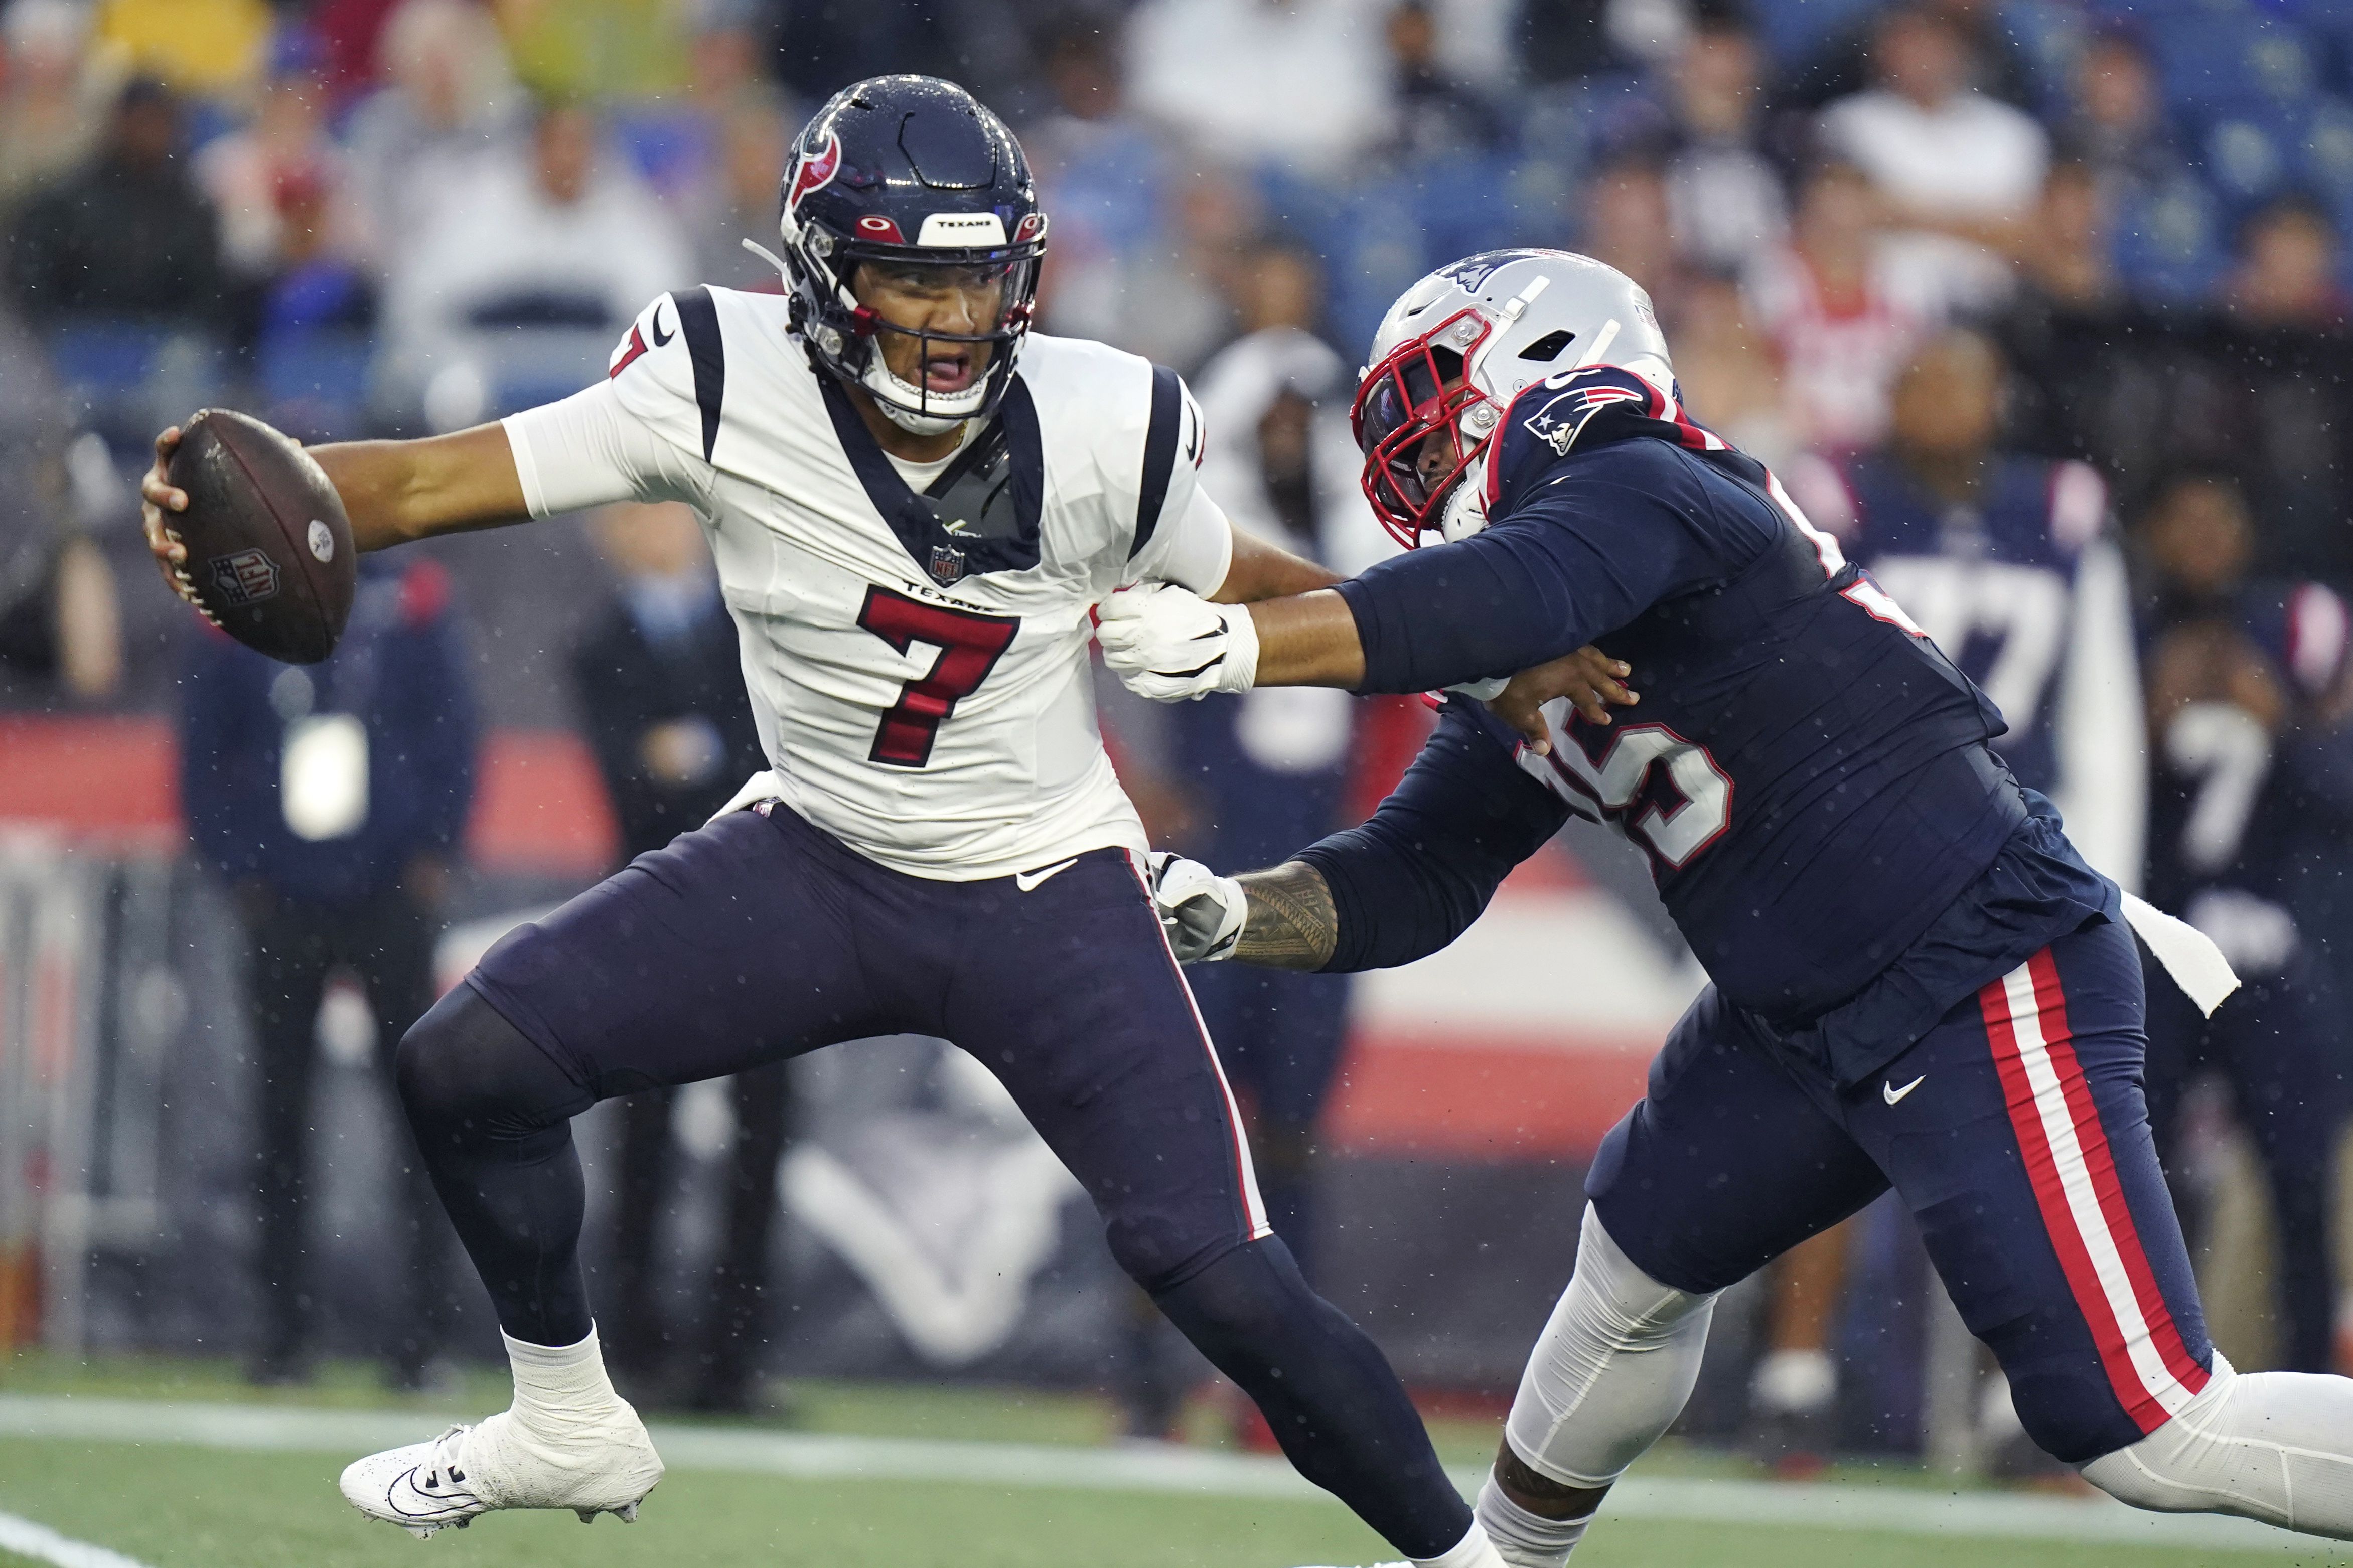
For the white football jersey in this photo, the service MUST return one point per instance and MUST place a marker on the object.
(917, 663)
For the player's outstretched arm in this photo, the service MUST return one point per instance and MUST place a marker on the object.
(1402, 885)
(1260, 571)
(393, 492)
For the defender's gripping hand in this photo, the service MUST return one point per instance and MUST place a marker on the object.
(1201, 912)
(1169, 644)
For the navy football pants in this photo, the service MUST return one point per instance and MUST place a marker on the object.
(2279, 1046)
(2016, 1133)
(758, 937)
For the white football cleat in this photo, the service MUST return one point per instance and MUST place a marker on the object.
(605, 1467)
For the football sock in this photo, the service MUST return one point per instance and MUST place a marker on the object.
(1612, 1369)
(558, 1388)
(2273, 1446)
(492, 1114)
(1525, 1540)
(1339, 1412)
(1474, 1551)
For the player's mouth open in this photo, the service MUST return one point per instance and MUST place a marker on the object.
(950, 372)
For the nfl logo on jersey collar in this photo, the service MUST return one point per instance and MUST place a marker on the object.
(947, 565)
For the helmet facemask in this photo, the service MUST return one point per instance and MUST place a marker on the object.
(849, 336)
(1414, 411)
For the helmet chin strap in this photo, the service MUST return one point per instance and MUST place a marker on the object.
(1466, 512)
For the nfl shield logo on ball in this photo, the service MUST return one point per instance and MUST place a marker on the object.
(947, 566)
(246, 577)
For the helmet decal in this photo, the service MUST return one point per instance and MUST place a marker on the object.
(816, 171)
(1031, 227)
(873, 225)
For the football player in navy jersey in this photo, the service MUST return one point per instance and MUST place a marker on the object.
(1916, 981)
(2005, 562)
(2253, 796)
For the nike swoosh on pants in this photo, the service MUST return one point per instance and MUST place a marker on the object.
(1029, 881)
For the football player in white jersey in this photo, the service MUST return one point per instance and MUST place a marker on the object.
(914, 506)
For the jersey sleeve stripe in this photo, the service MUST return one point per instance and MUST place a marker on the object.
(698, 317)
(1160, 456)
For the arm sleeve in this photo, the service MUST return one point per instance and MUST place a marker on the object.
(637, 435)
(1415, 875)
(1193, 551)
(2102, 784)
(1180, 534)
(589, 450)
(1575, 563)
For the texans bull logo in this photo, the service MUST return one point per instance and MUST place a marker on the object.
(815, 171)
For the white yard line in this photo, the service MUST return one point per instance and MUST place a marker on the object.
(1906, 1510)
(28, 1537)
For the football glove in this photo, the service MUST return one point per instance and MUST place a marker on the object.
(1201, 912)
(1168, 644)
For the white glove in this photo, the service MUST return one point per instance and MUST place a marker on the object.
(1201, 912)
(1167, 643)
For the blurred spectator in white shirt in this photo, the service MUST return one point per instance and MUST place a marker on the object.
(285, 152)
(1724, 197)
(1840, 317)
(54, 93)
(526, 273)
(1303, 83)
(1961, 166)
(449, 96)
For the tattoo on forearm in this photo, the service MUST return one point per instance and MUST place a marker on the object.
(1292, 922)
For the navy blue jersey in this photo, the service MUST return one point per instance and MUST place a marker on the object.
(1993, 582)
(2252, 790)
(1807, 774)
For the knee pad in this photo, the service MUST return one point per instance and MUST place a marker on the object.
(1612, 1369)
(463, 1066)
(2271, 1446)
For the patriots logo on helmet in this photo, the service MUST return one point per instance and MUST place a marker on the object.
(816, 172)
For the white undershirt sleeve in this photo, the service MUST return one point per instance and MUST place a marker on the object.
(1193, 549)
(589, 450)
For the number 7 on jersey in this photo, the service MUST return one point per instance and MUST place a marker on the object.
(970, 644)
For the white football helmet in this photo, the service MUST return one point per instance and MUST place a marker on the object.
(1455, 351)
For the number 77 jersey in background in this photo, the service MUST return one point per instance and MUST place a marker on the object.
(2022, 586)
(914, 637)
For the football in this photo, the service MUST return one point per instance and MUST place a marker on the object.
(271, 558)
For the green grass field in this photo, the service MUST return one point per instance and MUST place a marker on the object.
(262, 1495)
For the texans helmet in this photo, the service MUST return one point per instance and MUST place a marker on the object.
(1455, 351)
(909, 171)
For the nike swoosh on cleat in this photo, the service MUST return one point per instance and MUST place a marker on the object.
(433, 1505)
(1890, 1093)
(1030, 881)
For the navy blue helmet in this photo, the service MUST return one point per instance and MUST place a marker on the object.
(909, 171)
